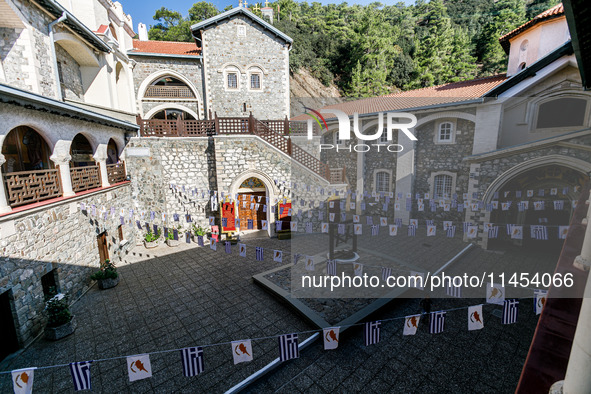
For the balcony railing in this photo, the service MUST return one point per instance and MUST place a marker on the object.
(337, 175)
(85, 178)
(116, 173)
(168, 92)
(27, 187)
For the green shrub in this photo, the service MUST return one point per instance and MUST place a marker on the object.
(58, 310)
(151, 236)
(108, 271)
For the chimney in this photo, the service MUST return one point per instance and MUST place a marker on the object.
(142, 31)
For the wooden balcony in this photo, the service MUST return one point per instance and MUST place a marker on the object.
(337, 175)
(169, 92)
(28, 187)
(116, 173)
(85, 178)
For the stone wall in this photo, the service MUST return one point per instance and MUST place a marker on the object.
(61, 237)
(71, 82)
(259, 51)
(191, 69)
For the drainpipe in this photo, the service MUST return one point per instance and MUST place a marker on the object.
(54, 56)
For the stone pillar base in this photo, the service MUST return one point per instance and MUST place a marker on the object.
(582, 263)
(5, 209)
(556, 388)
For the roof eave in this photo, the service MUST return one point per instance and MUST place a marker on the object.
(12, 95)
(56, 9)
(151, 54)
(565, 49)
(572, 11)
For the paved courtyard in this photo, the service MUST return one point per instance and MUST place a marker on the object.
(192, 296)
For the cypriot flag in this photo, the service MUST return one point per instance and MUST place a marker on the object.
(138, 367)
(358, 229)
(431, 230)
(495, 293)
(393, 229)
(22, 380)
(411, 324)
(310, 263)
(383, 221)
(475, 319)
(278, 256)
(358, 269)
(265, 224)
(331, 338)
(242, 351)
(324, 227)
(539, 300)
(293, 226)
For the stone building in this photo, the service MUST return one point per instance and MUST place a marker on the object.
(482, 141)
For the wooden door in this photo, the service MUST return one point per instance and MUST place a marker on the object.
(103, 247)
(256, 215)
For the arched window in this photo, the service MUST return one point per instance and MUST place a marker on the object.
(562, 112)
(383, 138)
(25, 150)
(521, 66)
(382, 182)
(445, 133)
(112, 152)
(169, 87)
(442, 185)
(173, 114)
(81, 152)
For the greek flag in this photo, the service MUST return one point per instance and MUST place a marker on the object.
(510, 309)
(451, 231)
(341, 229)
(493, 232)
(192, 358)
(331, 267)
(309, 227)
(375, 229)
(466, 226)
(139, 226)
(539, 232)
(288, 347)
(81, 375)
(259, 253)
(386, 273)
(408, 204)
(250, 224)
(175, 217)
(398, 222)
(372, 332)
(228, 247)
(412, 231)
(437, 322)
(429, 222)
(558, 205)
(452, 290)
(518, 194)
(224, 222)
(343, 216)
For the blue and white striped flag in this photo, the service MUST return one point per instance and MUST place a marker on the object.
(451, 231)
(259, 253)
(278, 225)
(510, 311)
(386, 273)
(200, 240)
(429, 222)
(398, 222)
(309, 227)
(192, 358)
(539, 232)
(466, 226)
(224, 222)
(452, 290)
(81, 375)
(341, 229)
(493, 232)
(369, 220)
(372, 332)
(331, 267)
(375, 229)
(437, 323)
(250, 224)
(412, 231)
(228, 247)
(288, 347)
(558, 205)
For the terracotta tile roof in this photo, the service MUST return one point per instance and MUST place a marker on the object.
(102, 29)
(554, 12)
(166, 48)
(454, 92)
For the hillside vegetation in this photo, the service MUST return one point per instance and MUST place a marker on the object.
(377, 49)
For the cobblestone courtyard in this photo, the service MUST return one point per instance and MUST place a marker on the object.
(192, 296)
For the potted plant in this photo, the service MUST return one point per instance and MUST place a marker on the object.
(198, 231)
(60, 322)
(151, 239)
(107, 277)
(170, 241)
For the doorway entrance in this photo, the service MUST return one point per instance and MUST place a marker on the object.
(9, 343)
(252, 199)
(103, 247)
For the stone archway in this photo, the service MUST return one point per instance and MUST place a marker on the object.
(270, 190)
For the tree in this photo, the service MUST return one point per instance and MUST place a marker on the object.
(202, 11)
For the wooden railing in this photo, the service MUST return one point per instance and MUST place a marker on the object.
(85, 178)
(28, 187)
(116, 173)
(275, 132)
(337, 175)
(168, 92)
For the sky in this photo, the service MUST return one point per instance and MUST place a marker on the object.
(143, 10)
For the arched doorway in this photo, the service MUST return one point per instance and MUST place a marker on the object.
(252, 200)
(546, 184)
(81, 152)
(25, 150)
(173, 114)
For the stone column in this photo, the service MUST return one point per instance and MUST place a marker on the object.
(100, 156)
(4, 207)
(61, 158)
(405, 173)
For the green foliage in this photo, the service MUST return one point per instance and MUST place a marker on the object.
(58, 310)
(107, 271)
(198, 230)
(377, 49)
(151, 236)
